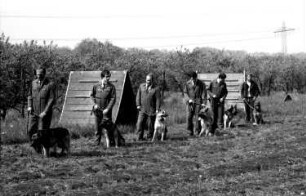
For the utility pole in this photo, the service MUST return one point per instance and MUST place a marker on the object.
(283, 31)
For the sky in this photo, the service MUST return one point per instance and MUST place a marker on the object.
(244, 25)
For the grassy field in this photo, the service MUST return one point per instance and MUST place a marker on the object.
(269, 159)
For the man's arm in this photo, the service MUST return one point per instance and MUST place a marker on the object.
(209, 90)
(93, 95)
(112, 100)
(30, 98)
(242, 90)
(157, 94)
(138, 97)
(225, 92)
(186, 94)
(257, 91)
(51, 99)
(204, 94)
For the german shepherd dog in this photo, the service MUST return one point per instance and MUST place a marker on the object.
(229, 115)
(206, 120)
(110, 131)
(112, 134)
(160, 127)
(45, 139)
(257, 114)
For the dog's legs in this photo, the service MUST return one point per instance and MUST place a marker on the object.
(45, 151)
(154, 135)
(116, 136)
(107, 139)
(162, 136)
(229, 124)
(202, 127)
(255, 120)
(224, 122)
(68, 146)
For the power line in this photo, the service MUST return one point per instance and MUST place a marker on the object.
(194, 43)
(140, 38)
(212, 42)
(73, 16)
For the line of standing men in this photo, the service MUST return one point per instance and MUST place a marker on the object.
(41, 99)
(196, 92)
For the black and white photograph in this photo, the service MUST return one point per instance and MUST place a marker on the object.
(148, 97)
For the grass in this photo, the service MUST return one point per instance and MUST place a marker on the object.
(268, 159)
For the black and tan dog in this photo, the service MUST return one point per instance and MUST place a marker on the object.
(45, 139)
(257, 114)
(206, 119)
(229, 115)
(160, 126)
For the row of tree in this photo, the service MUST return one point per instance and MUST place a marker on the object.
(18, 62)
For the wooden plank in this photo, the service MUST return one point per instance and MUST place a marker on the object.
(77, 107)
(94, 76)
(228, 75)
(95, 73)
(94, 81)
(85, 93)
(83, 101)
(74, 93)
(74, 114)
(81, 122)
(88, 86)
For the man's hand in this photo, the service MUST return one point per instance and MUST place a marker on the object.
(105, 111)
(190, 101)
(43, 114)
(29, 109)
(138, 107)
(222, 100)
(96, 106)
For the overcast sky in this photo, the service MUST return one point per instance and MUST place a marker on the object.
(159, 24)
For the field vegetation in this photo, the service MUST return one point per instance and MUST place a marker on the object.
(267, 159)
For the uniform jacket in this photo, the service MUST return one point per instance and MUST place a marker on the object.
(148, 100)
(104, 97)
(218, 89)
(254, 90)
(41, 97)
(196, 92)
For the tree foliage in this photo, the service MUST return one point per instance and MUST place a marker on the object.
(18, 62)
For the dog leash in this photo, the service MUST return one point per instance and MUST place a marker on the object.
(249, 104)
(28, 123)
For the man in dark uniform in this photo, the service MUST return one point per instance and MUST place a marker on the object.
(148, 104)
(217, 91)
(103, 96)
(249, 94)
(41, 98)
(196, 97)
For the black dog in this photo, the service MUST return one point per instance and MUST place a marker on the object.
(45, 139)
